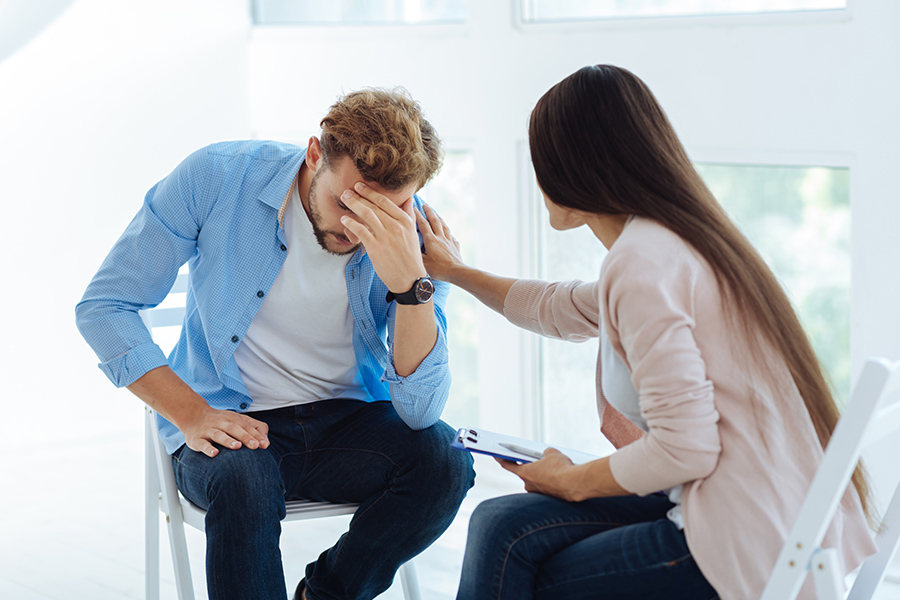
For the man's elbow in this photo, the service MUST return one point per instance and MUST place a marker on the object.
(417, 422)
(83, 317)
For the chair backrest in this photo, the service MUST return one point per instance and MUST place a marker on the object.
(153, 319)
(159, 463)
(872, 413)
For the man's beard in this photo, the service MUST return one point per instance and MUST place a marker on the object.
(315, 218)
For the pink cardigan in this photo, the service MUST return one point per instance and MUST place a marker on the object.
(737, 436)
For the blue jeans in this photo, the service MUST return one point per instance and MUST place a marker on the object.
(409, 485)
(534, 546)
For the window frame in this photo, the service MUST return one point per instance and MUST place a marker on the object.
(761, 19)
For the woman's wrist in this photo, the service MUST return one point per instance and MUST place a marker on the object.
(592, 480)
(457, 274)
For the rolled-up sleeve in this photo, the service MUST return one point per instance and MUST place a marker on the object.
(139, 272)
(651, 322)
(420, 397)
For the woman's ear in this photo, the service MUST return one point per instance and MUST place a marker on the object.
(314, 156)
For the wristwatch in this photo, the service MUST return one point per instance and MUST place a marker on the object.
(420, 293)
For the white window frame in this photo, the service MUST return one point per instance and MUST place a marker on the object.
(762, 19)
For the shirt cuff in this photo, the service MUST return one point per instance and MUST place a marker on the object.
(434, 366)
(127, 368)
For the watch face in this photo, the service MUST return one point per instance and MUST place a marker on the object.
(424, 289)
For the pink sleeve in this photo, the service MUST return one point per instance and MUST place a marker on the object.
(567, 310)
(649, 293)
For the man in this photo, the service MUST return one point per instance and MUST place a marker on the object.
(313, 358)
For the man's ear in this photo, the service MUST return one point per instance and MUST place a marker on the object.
(314, 156)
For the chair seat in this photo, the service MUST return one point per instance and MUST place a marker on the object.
(297, 510)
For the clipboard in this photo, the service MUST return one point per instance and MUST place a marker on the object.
(504, 446)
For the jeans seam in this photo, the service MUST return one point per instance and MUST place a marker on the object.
(537, 529)
(184, 466)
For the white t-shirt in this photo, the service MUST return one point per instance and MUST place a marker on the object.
(299, 347)
(621, 395)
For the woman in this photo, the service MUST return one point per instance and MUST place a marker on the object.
(707, 385)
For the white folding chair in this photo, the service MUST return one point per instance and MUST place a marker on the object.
(162, 493)
(872, 412)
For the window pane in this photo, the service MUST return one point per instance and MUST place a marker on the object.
(575, 10)
(568, 395)
(357, 12)
(799, 220)
(452, 195)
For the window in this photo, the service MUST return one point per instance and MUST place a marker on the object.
(452, 195)
(551, 10)
(799, 220)
(357, 12)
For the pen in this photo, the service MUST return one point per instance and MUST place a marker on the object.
(523, 450)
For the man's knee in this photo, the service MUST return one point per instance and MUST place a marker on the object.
(242, 480)
(433, 454)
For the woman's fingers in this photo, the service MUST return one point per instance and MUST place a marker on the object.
(433, 220)
(425, 228)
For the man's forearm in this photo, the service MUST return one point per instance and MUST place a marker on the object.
(415, 333)
(202, 425)
(166, 393)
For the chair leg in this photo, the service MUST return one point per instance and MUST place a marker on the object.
(180, 559)
(409, 581)
(151, 517)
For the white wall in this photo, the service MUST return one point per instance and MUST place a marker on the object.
(96, 109)
(92, 113)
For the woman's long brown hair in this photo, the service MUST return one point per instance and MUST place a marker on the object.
(601, 143)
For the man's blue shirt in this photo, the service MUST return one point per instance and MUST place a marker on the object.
(218, 212)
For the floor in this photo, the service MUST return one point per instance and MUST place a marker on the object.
(72, 527)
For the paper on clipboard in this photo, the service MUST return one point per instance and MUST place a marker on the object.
(511, 448)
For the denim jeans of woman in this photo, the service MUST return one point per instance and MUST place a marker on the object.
(409, 485)
(528, 546)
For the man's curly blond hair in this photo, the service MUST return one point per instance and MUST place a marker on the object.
(386, 136)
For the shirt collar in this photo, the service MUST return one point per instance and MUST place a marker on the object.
(277, 193)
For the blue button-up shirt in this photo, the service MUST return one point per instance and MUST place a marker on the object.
(218, 212)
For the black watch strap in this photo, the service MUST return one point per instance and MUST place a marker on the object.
(419, 293)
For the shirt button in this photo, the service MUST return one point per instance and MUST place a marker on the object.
(243, 405)
(234, 338)
(260, 294)
(283, 247)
